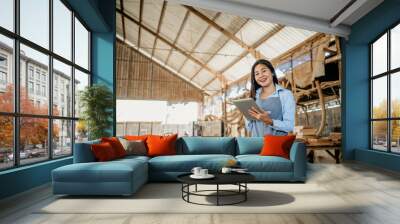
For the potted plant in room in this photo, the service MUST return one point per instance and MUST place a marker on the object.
(96, 103)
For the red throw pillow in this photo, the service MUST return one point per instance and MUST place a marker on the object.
(116, 145)
(136, 138)
(277, 145)
(103, 152)
(161, 145)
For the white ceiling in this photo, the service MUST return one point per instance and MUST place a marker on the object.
(314, 15)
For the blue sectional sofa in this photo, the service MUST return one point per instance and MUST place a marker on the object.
(125, 176)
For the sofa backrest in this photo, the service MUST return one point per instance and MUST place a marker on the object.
(206, 145)
(83, 153)
(249, 145)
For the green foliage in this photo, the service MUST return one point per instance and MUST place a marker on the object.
(97, 104)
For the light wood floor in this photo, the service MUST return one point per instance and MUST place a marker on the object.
(377, 188)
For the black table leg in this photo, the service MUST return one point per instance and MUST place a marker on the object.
(196, 188)
(217, 194)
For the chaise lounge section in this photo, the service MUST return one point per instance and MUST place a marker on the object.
(125, 176)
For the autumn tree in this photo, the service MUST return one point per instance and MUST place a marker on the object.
(33, 131)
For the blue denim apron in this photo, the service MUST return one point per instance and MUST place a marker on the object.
(273, 106)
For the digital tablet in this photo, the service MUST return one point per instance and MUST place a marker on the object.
(244, 105)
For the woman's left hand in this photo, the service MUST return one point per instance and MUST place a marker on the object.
(260, 115)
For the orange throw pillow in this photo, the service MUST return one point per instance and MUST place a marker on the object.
(161, 145)
(116, 145)
(136, 138)
(277, 145)
(103, 152)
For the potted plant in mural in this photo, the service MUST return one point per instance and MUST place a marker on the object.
(96, 103)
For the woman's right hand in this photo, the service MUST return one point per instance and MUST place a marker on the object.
(260, 115)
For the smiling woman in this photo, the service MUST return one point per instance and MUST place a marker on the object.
(277, 106)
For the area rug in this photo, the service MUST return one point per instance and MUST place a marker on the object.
(166, 198)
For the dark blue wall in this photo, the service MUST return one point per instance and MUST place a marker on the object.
(99, 16)
(356, 84)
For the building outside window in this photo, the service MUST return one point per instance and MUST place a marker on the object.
(34, 79)
(385, 97)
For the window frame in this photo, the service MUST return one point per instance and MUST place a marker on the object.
(16, 114)
(388, 74)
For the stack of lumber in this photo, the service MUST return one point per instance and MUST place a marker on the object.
(303, 132)
(336, 137)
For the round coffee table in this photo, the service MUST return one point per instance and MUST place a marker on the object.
(238, 179)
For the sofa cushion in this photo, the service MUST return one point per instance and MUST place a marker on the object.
(206, 145)
(116, 145)
(103, 152)
(185, 163)
(134, 147)
(277, 145)
(257, 163)
(249, 145)
(112, 171)
(161, 145)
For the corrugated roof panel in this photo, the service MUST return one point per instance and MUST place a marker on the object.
(146, 40)
(173, 18)
(230, 22)
(161, 51)
(119, 24)
(118, 4)
(132, 31)
(240, 69)
(176, 59)
(132, 8)
(252, 32)
(151, 13)
(213, 86)
(211, 42)
(284, 40)
(190, 68)
(203, 77)
(226, 55)
(191, 32)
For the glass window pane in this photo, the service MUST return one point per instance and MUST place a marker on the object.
(395, 94)
(379, 97)
(62, 89)
(7, 14)
(34, 16)
(379, 135)
(395, 47)
(62, 29)
(81, 81)
(34, 96)
(6, 74)
(81, 131)
(379, 55)
(395, 138)
(81, 45)
(33, 139)
(6, 142)
(62, 138)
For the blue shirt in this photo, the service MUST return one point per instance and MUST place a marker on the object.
(279, 126)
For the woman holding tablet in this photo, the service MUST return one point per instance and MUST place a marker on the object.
(277, 106)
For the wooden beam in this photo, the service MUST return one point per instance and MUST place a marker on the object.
(222, 45)
(255, 45)
(200, 39)
(178, 35)
(159, 26)
(219, 76)
(123, 19)
(140, 22)
(240, 57)
(230, 35)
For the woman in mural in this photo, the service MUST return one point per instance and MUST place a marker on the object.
(276, 113)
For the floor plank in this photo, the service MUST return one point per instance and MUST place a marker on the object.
(376, 190)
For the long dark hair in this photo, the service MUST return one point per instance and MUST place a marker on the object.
(254, 84)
